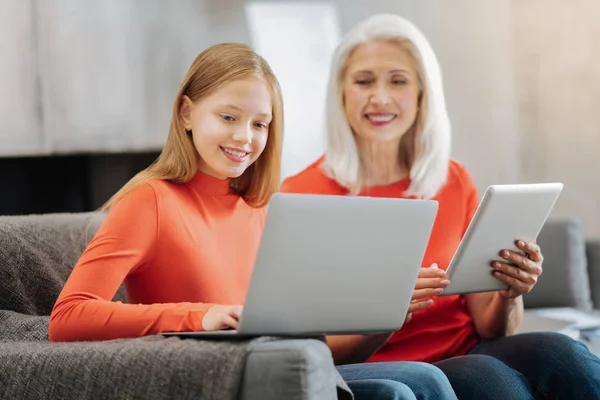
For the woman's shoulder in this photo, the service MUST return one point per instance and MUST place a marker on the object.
(312, 179)
(458, 171)
(459, 179)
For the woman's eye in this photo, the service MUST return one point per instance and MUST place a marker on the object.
(399, 82)
(363, 82)
(227, 118)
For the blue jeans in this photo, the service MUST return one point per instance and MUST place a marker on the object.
(396, 381)
(544, 365)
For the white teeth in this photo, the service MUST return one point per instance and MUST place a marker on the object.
(235, 153)
(381, 118)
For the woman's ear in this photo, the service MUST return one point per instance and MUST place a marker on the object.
(185, 112)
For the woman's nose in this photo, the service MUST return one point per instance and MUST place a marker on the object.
(380, 95)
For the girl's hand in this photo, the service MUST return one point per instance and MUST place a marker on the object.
(220, 317)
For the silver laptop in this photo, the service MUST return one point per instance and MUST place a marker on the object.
(334, 265)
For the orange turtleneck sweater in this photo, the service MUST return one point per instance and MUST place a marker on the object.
(179, 248)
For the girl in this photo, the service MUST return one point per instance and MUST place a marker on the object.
(184, 233)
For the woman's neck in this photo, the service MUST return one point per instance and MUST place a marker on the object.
(381, 163)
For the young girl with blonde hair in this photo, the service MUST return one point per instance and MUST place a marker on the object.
(183, 234)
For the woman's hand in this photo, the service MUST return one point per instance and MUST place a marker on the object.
(221, 317)
(520, 271)
(431, 282)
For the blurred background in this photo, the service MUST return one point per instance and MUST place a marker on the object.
(87, 87)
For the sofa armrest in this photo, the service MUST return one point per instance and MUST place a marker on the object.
(564, 282)
(167, 368)
(289, 369)
(592, 250)
(146, 368)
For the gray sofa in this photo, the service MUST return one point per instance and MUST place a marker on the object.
(567, 296)
(37, 253)
(571, 276)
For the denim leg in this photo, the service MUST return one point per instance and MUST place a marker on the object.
(426, 381)
(556, 366)
(476, 377)
(380, 389)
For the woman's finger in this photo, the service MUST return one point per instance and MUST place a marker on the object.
(516, 286)
(431, 272)
(518, 273)
(532, 249)
(423, 293)
(522, 262)
(427, 283)
(419, 305)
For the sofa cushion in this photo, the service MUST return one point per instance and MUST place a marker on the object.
(37, 255)
(564, 282)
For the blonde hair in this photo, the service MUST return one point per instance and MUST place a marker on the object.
(426, 147)
(214, 67)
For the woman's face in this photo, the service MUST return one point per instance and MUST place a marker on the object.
(381, 91)
(229, 127)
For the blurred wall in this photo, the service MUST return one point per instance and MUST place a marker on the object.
(520, 79)
(558, 94)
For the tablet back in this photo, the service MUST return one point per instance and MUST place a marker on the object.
(505, 214)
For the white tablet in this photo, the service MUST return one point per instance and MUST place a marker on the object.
(505, 214)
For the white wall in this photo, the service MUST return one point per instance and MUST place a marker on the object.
(556, 63)
(521, 79)
(20, 119)
(298, 39)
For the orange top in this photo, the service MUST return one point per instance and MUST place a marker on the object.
(177, 247)
(445, 329)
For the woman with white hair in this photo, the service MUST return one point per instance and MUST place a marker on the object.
(389, 136)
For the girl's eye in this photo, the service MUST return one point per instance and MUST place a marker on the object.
(227, 118)
(398, 82)
(261, 125)
(363, 82)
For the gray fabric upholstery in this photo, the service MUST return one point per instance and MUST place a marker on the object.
(564, 282)
(295, 367)
(146, 368)
(592, 250)
(21, 327)
(37, 254)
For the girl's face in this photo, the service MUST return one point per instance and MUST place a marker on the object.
(230, 127)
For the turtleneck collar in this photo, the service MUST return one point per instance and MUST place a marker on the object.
(207, 184)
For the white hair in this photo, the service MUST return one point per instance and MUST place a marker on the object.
(429, 169)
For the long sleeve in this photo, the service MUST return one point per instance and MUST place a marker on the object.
(122, 246)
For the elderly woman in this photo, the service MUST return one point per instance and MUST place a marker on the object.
(389, 136)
